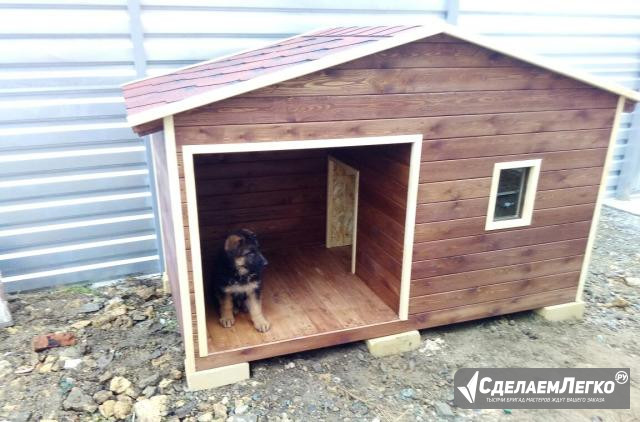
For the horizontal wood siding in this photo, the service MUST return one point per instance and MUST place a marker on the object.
(280, 176)
(473, 108)
(384, 177)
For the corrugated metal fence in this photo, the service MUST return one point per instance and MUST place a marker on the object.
(76, 190)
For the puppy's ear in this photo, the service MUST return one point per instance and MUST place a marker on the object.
(232, 243)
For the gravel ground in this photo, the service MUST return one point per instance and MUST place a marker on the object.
(128, 359)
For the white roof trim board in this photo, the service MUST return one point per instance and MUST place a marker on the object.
(405, 37)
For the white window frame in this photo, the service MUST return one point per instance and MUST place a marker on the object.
(529, 194)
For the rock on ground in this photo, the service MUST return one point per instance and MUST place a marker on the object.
(132, 357)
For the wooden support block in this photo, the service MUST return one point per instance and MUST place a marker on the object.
(562, 312)
(5, 316)
(394, 344)
(217, 377)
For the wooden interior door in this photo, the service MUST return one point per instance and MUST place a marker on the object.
(342, 206)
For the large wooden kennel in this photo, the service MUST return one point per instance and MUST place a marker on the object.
(398, 178)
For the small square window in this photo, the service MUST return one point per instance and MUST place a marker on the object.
(512, 188)
(512, 194)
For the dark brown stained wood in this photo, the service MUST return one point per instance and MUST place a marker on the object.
(478, 188)
(524, 143)
(260, 199)
(260, 184)
(379, 161)
(492, 308)
(472, 226)
(304, 294)
(436, 171)
(483, 260)
(389, 258)
(431, 127)
(473, 108)
(434, 54)
(263, 213)
(465, 208)
(416, 80)
(492, 292)
(471, 279)
(261, 168)
(370, 218)
(239, 110)
(491, 241)
(148, 128)
(263, 227)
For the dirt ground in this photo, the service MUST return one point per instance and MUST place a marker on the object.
(128, 360)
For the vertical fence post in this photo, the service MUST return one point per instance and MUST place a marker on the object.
(453, 8)
(140, 64)
(629, 180)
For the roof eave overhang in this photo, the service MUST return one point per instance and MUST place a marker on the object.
(338, 58)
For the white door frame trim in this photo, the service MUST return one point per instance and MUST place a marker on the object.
(188, 151)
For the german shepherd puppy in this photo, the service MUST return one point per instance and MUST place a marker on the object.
(237, 279)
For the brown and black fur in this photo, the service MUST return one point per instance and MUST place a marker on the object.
(237, 279)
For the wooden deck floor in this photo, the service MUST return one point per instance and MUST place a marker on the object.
(307, 292)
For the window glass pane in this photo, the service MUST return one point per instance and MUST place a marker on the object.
(511, 190)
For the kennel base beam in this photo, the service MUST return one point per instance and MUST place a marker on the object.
(394, 344)
(563, 312)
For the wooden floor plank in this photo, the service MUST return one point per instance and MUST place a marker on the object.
(307, 292)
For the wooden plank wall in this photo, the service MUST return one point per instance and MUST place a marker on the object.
(474, 107)
(281, 196)
(382, 205)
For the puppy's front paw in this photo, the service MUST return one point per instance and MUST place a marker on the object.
(262, 325)
(227, 322)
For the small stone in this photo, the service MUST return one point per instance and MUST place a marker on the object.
(151, 410)
(632, 281)
(106, 409)
(619, 303)
(51, 340)
(205, 417)
(5, 368)
(161, 360)
(443, 409)
(21, 370)
(138, 316)
(184, 410)
(290, 365)
(122, 409)
(408, 393)
(79, 401)
(166, 382)
(239, 410)
(102, 396)
(105, 376)
(512, 322)
(175, 374)
(148, 312)
(145, 293)
(152, 379)
(220, 410)
(72, 363)
(81, 324)
(149, 391)
(119, 385)
(91, 307)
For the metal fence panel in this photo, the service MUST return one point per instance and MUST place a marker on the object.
(76, 191)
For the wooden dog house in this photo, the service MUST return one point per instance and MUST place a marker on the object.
(398, 177)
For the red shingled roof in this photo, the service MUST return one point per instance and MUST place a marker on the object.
(151, 99)
(157, 91)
